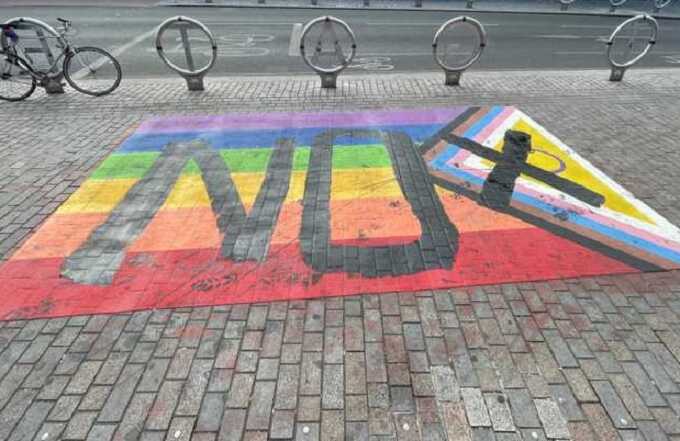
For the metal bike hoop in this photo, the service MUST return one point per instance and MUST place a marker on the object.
(186, 73)
(476, 54)
(610, 43)
(52, 79)
(660, 4)
(567, 2)
(35, 22)
(617, 3)
(346, 62)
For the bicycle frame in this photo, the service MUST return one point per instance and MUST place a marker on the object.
(15, 51)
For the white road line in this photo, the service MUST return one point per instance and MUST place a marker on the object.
(433, 24)
(294, 45)
(117, 52)
(578, 26)
(561, 37)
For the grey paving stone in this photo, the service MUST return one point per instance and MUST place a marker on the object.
(30, 421)
(287, 387)
(648, 391)
(332, 396)
(79, 425)
(164, 406)
(554, 424)
(332, 425)
(499, 411)
(194, 388)
(523, 409)
(283, 423)
(240, 391)
(566, 402)
(260, 407)
(233, 422)
(102, 432)
(476, 410)
(307, 432)
(357, 431)
(132, 424)
(120, 395)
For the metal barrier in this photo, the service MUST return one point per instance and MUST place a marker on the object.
(43, 33)
(192, 74)
(454, 71)
(619, 66)
(328, 32)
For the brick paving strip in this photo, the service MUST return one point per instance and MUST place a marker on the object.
(585, 359)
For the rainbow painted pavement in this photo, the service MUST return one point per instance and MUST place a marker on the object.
(206, 210)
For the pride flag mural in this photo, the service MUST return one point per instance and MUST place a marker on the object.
(206, 210)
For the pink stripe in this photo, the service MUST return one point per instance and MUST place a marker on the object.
(610, 222)
(463, 154)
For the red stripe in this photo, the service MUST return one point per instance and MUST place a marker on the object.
(33, 288)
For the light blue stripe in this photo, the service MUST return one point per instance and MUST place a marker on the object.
(576, 218)
(470, 133)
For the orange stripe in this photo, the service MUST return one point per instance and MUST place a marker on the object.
(194, 228)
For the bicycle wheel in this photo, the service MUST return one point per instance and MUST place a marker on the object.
(92, 71)
(16, 81)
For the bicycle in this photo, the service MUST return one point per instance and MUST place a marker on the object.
(89, 70)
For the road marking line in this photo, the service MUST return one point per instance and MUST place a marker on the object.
(117, 52)
(578, 26)
(295, 36)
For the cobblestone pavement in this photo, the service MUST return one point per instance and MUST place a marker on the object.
(583, 359)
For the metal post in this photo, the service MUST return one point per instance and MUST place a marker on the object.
(617, 73)
(52, 84)
(329, 80)
(564, 7)
(470, 4)
(453, 77)
(315, 2)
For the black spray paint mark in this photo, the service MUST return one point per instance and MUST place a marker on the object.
(500, 184)
(549, 178)
(247, 237)
(437, 245)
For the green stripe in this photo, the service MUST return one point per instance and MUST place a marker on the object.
(135, 165)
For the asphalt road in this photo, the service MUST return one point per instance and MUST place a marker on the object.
(258, 41)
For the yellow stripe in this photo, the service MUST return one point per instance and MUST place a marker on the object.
(190, 191)
(574, 171)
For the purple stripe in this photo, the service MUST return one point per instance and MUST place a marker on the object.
(279, 120)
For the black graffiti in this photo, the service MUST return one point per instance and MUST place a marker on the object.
(246, 236)
(437, 245)
(512, 161)
(496, 191)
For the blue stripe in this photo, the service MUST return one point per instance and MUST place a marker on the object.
(266, 138)
(575, 218)
(471, 132)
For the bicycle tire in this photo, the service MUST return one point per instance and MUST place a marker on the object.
(22, 70)
(77, 84)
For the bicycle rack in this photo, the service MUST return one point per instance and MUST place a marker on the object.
(192, 74)
(43, 31)
(455, 72)
(660, 4)
(615, 4)
(619, 69)
(329, 75)
(564, 4)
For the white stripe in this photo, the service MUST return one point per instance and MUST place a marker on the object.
(294, 45)
(117, 52)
